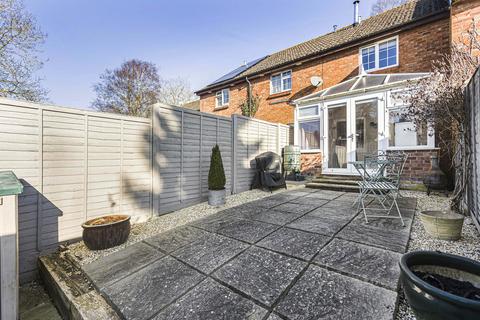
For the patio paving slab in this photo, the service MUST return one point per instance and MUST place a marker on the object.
(143, 293)
(274, 317)
(275, 216)
(310, 201)
(173, 239)
(295, 207)
(121, 263)
(244, 230)
(210, 300)
(318, 222)
(268, 203)
(323, 294)
(383, 233)
(295, 243)
(374, 265)
(209, 252)
(325, 194)
(261, 274)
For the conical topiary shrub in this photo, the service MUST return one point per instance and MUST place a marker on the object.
(216, 174)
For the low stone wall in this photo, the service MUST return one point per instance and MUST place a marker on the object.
(311, 163)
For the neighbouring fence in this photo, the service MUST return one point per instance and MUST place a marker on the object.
(78, 164)
(472, 105)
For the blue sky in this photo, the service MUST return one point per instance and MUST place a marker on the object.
(195, 40)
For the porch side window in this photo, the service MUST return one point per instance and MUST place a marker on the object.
(309, 135)
(403, 132)
(281, 82)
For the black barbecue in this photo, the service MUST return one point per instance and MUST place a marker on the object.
(268, 171)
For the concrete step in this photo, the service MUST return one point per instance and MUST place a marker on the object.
(335, 181)
(338, 177)
(333, 187)
(71, 291)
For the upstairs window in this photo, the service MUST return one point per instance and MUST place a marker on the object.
(223, 98)
(383, 54)
(281, 82)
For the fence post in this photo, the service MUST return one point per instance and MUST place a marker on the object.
(279, 149)
(234, 152)
(155, 164)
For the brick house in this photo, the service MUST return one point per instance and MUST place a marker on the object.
(297, 85)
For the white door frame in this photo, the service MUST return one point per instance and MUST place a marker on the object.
(351, 129)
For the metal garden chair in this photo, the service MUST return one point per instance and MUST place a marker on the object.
(383, 185)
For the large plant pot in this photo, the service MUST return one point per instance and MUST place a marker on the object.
(216, 197)
(442, 225)
(106, 232)
(431, 303)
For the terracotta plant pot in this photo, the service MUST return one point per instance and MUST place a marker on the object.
(442, 225)
(106, 232)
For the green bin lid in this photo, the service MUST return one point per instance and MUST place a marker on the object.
(9, 184)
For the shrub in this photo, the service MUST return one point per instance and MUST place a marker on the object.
(216, 174)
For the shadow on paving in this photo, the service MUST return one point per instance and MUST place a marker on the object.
(301, 254)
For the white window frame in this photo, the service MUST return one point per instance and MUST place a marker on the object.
(282, 89)
(300, 120)
(377, 54)
(222, 94)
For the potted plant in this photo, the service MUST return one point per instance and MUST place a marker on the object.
(442, 225)
(216, 179)
(106, 232)
(440, 286)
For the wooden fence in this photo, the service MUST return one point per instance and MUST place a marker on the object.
(472, 105)
(77, 164)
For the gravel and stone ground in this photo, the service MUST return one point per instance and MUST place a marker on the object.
(35, 304)
(169, 221)
(467, 246)
(301, 254)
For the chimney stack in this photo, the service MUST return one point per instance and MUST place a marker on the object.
(356, 15)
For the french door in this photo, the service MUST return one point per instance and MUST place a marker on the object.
(353, 128)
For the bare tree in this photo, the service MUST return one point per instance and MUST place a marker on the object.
(130, 89)
(175, 92)
(439, 99)
(20, 38)
(383, 5)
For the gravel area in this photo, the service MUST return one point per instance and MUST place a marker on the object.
(467, 246)
(169, 221)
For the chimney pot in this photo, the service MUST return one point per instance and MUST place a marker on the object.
(356, 15)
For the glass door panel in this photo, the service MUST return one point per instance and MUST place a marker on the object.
(366, 129)
(337, 137)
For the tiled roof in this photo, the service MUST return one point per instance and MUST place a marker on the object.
(410, 12)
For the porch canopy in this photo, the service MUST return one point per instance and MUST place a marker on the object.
(362, 83)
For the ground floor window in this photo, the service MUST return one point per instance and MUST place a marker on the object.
(309, 133)
(403, 132)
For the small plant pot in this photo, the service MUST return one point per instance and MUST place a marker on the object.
(216, 197)
(426, 299)
(442, 225)
(106, 232)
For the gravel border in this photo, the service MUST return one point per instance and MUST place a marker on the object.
(169, 221)
(467, 246)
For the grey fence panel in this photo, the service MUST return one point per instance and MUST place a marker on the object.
(183, 140)
(472, 105)
(74, 165)
(252, 137)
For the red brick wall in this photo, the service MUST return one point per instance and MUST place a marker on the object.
(418, 48)
(311, 163)
(462, 14)
(418, 165)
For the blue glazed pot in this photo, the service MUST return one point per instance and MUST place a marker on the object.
(429, 302)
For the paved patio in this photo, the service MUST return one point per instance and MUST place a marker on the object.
(300, 254)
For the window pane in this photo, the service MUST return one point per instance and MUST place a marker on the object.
(219, 99)
(368, 58)
(387, 53)
(276, 84)
(310, 135)
(226, 96)
(403, 132)
(287, 84)
(309, 111)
